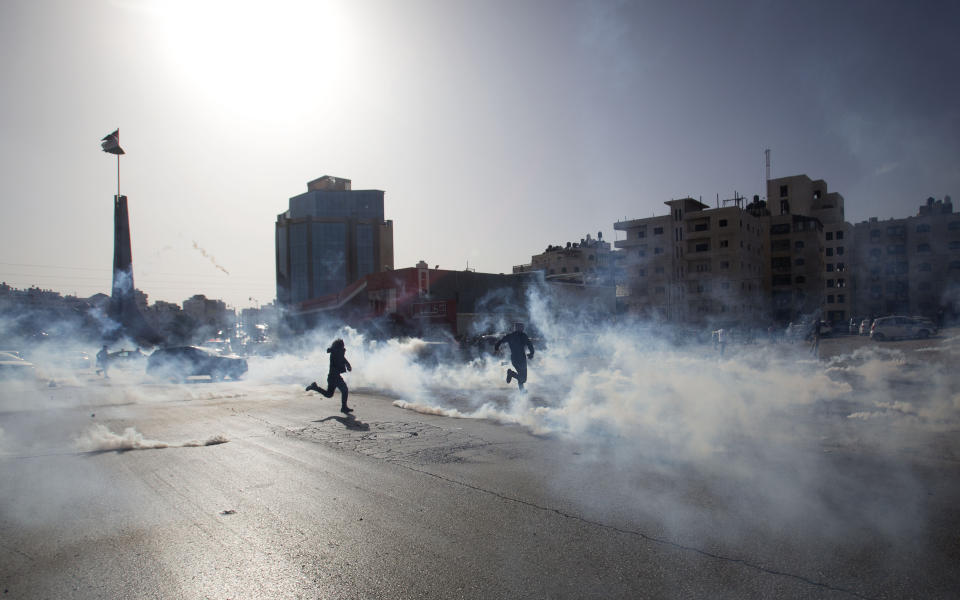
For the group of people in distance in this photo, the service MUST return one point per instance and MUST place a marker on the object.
(517, 340)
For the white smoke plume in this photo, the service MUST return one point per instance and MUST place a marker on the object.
(99, 438)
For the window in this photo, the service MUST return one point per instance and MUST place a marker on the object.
(783, 228)
(659, 270)
(799, 262)
(658, 231)
(798, 245)
(829, 235)
(784, 190)
(576, 269)
(839, 235)
(641, 234)
(563, 270)
(830, 283)
(658, 250)
(724, 243)
(724, 264)
(801, 279)
(923, 228)
(829, 267)
(701, 247)
(829, 251)
(955, 264)
(841, 298)
(841, 283)
(780, 245)
(954, 225)
(900, 249)
(839, 250)
(830, 299)
(723, 222)
(955, 245)
(923, 248)
(841, 267)
(641, 272)
(925, 267)
(876, 252)
(924, 286)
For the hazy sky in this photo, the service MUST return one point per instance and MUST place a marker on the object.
(494, 127)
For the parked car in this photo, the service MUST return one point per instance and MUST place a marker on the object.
(899, 327)
(127, 359)
(180, 362)
(14, 367)
(865, 326)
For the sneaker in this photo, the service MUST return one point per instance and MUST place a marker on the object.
(346, 410)
(313, 387)
(509, 375)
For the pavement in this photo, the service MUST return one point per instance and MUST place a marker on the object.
(261, 490)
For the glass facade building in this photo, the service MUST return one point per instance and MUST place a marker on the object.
(330, 237)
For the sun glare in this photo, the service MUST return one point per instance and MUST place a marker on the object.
(256, 58)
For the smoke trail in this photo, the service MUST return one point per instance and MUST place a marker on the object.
(99, 438)
(196, 246)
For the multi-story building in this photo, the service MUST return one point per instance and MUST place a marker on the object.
(909, 266)
(589, 261)
(330, 237)
(695, 264)
(808, 245)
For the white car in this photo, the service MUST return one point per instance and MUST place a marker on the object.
(865, 327)
(14, 367)
(898, 327)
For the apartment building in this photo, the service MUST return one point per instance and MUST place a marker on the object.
(809, 247)
(911, 265)
(695, 264)
(589, 261)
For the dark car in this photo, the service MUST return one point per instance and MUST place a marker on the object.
(180, 362)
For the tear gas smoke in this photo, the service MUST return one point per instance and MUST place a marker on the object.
(99, 438)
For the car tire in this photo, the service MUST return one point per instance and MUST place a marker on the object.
(878, 336)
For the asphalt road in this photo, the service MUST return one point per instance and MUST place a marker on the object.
(238, 490)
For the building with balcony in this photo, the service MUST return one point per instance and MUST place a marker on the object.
(589, 262)
(695, 264)
(909, 266)
(809, 243)
(330, 237)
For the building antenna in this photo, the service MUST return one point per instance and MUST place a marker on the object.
(766, 155)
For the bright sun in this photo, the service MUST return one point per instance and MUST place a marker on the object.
(252, 57)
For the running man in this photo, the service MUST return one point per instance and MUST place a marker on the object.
(338, 364)
(517, 341)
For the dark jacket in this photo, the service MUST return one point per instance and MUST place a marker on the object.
(516, 340)
(338, 360)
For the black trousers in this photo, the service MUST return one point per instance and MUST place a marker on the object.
(520, 367)
(335, 382)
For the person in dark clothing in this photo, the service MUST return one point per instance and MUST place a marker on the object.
(103, 362)
(338, 364)
(517, 341)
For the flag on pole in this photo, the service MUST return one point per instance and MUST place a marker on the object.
(111, 143)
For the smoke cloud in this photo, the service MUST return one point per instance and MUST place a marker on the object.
(99, 438)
